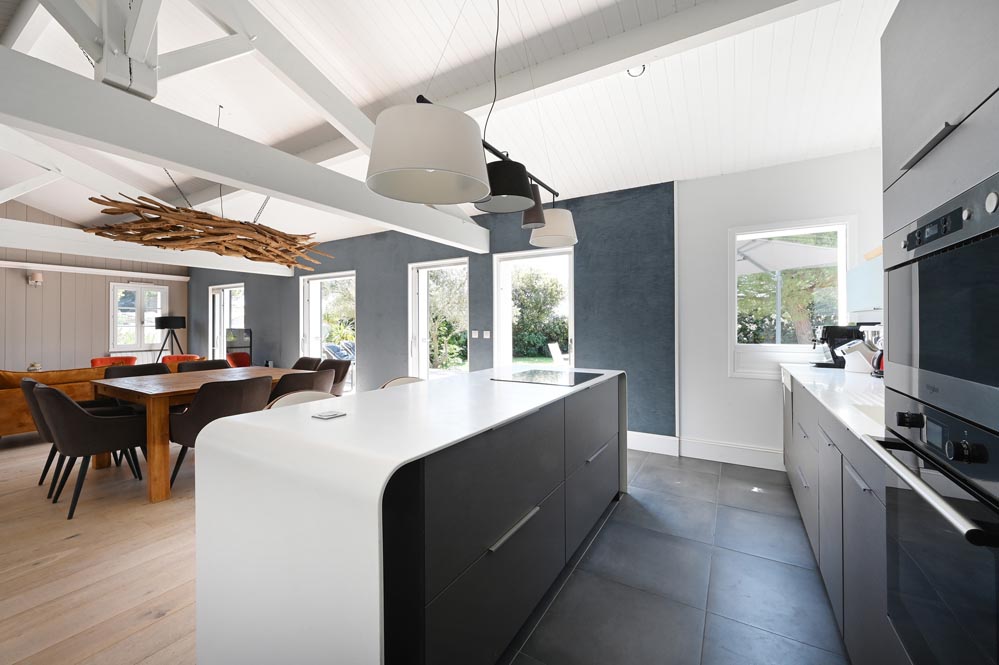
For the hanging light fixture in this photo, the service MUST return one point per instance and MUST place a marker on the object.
(558, 231)
(534, 217)
(509, 188)
(424, 153)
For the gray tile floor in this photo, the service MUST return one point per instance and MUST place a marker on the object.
(701, 563)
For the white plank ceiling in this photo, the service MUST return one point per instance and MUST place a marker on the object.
(799, 88)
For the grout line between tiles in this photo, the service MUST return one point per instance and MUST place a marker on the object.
(786, 637)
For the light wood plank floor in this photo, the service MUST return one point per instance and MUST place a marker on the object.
(113, 585)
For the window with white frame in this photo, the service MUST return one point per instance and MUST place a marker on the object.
(786, 281)
(134, 308)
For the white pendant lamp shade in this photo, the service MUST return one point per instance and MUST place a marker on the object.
(424, 153)
(558, 231)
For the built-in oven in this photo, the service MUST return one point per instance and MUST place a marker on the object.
(942, 533)
(942, 292)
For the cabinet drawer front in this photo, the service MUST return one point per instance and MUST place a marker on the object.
(473, 621)
(477, 490)
(805, 416)
(588, 492)
(868, 466)
(590, 420)
(831, 526)
(803, 474)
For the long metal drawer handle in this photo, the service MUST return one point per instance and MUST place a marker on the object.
(864, 487)
(514, 529)
(928, 147)
(598, 453)
(803, 432)
(973, 533)
(825, 435)
(804, 483)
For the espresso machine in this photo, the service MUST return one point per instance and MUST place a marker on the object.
(831, 338)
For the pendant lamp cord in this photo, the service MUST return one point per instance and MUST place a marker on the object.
(534, 92)
(485, 128)
(444, 50)
(218, 123)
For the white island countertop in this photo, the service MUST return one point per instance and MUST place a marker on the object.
(857, 400)
(289, 510)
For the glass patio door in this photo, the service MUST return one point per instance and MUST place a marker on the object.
(226, 310)
(438, 336)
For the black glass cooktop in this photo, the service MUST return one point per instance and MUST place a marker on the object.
(551, 377)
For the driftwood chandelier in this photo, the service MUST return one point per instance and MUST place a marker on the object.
(164, 226)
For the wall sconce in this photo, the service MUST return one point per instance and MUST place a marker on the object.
(35, 279)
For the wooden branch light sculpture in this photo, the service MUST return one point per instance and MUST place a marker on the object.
(164, 226)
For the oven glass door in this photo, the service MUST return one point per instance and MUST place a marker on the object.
(943, 313)
(942, 590)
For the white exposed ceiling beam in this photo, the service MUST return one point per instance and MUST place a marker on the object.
(78, 24)
(25, 26)
(47, 238)
(141, 26)
(104, 118)
(28, 186)
(292, 67)
(204, 54)
(40, 154)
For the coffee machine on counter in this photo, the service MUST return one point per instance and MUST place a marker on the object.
(832, 338)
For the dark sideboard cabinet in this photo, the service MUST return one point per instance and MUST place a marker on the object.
(476, 534)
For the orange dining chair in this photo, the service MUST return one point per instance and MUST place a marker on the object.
(109, 361)
(179, 358)
(238, 358)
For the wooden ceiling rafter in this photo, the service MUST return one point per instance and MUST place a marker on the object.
(168, 227)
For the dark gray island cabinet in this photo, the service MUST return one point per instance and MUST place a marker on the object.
(477, 533)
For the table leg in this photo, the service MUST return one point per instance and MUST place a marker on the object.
(102, 461)
(158, 448)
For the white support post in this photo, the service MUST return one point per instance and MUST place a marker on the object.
(78, 24)
(202, 55)
(25, 26)
(141, 27)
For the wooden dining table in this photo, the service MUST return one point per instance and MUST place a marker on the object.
(158, 393)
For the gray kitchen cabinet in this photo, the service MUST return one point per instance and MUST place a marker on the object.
(831, 521)
(588, 492)
(803, 456)
(867, 632)
(591, 419)
(938, 64)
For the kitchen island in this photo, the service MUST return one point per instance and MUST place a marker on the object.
(422, 527)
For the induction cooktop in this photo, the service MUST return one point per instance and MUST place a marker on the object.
(551, 377)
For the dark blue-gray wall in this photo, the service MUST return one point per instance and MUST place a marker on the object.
(623, 282)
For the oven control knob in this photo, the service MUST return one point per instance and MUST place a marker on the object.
(966, 214)
(913, 420)
(991, 202)
(963, 451)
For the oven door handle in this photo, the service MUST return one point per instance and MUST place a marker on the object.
(973, 533)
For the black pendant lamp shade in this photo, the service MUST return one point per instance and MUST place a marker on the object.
(534, 217)
(509, 188)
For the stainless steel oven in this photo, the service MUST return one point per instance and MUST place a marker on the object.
(942, 533)
(942, 292)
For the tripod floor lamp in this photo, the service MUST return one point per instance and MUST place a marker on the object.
(170, 324)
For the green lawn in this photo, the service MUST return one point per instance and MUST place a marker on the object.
(542, 360)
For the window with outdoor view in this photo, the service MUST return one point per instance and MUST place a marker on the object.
(134, 308)
(788, 282)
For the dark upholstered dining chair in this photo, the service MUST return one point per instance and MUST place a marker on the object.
(200, 365)
(306, 363)
(128, 371)
(292, 383)
(215, 400)
(106, 407)
(341, 369)
(77, 433)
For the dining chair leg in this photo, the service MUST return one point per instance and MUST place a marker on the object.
(55, 475)
(128, 460)
(135, 462)
(116, 455)
(79, 486)
(48, 463)
(65, 477)
(180, 460)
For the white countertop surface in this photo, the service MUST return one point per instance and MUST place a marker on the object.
(288, 511)
(857, 400)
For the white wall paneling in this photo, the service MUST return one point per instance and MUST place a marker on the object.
(739, 419)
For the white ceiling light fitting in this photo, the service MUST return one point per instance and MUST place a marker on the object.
(559, 229)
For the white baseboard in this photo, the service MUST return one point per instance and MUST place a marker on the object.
(732, 453)
(653, 443)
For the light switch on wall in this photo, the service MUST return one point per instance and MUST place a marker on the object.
(475, 334)
(485, 334)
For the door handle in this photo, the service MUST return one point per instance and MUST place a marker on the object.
(803, 432)
(598, 453)
(825, 435)
(801, 475)
(514, 529)
(928, 147)
(973, 533)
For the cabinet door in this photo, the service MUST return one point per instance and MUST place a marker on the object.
(869, 636)
(938, 63)
(788, 424)
(591, 419)
(831, 522)
(588, 492)
(803, 474)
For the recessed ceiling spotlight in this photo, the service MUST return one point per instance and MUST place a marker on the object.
(635, 72)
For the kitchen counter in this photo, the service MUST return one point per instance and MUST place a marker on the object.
(856, 400)
(290, 526)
